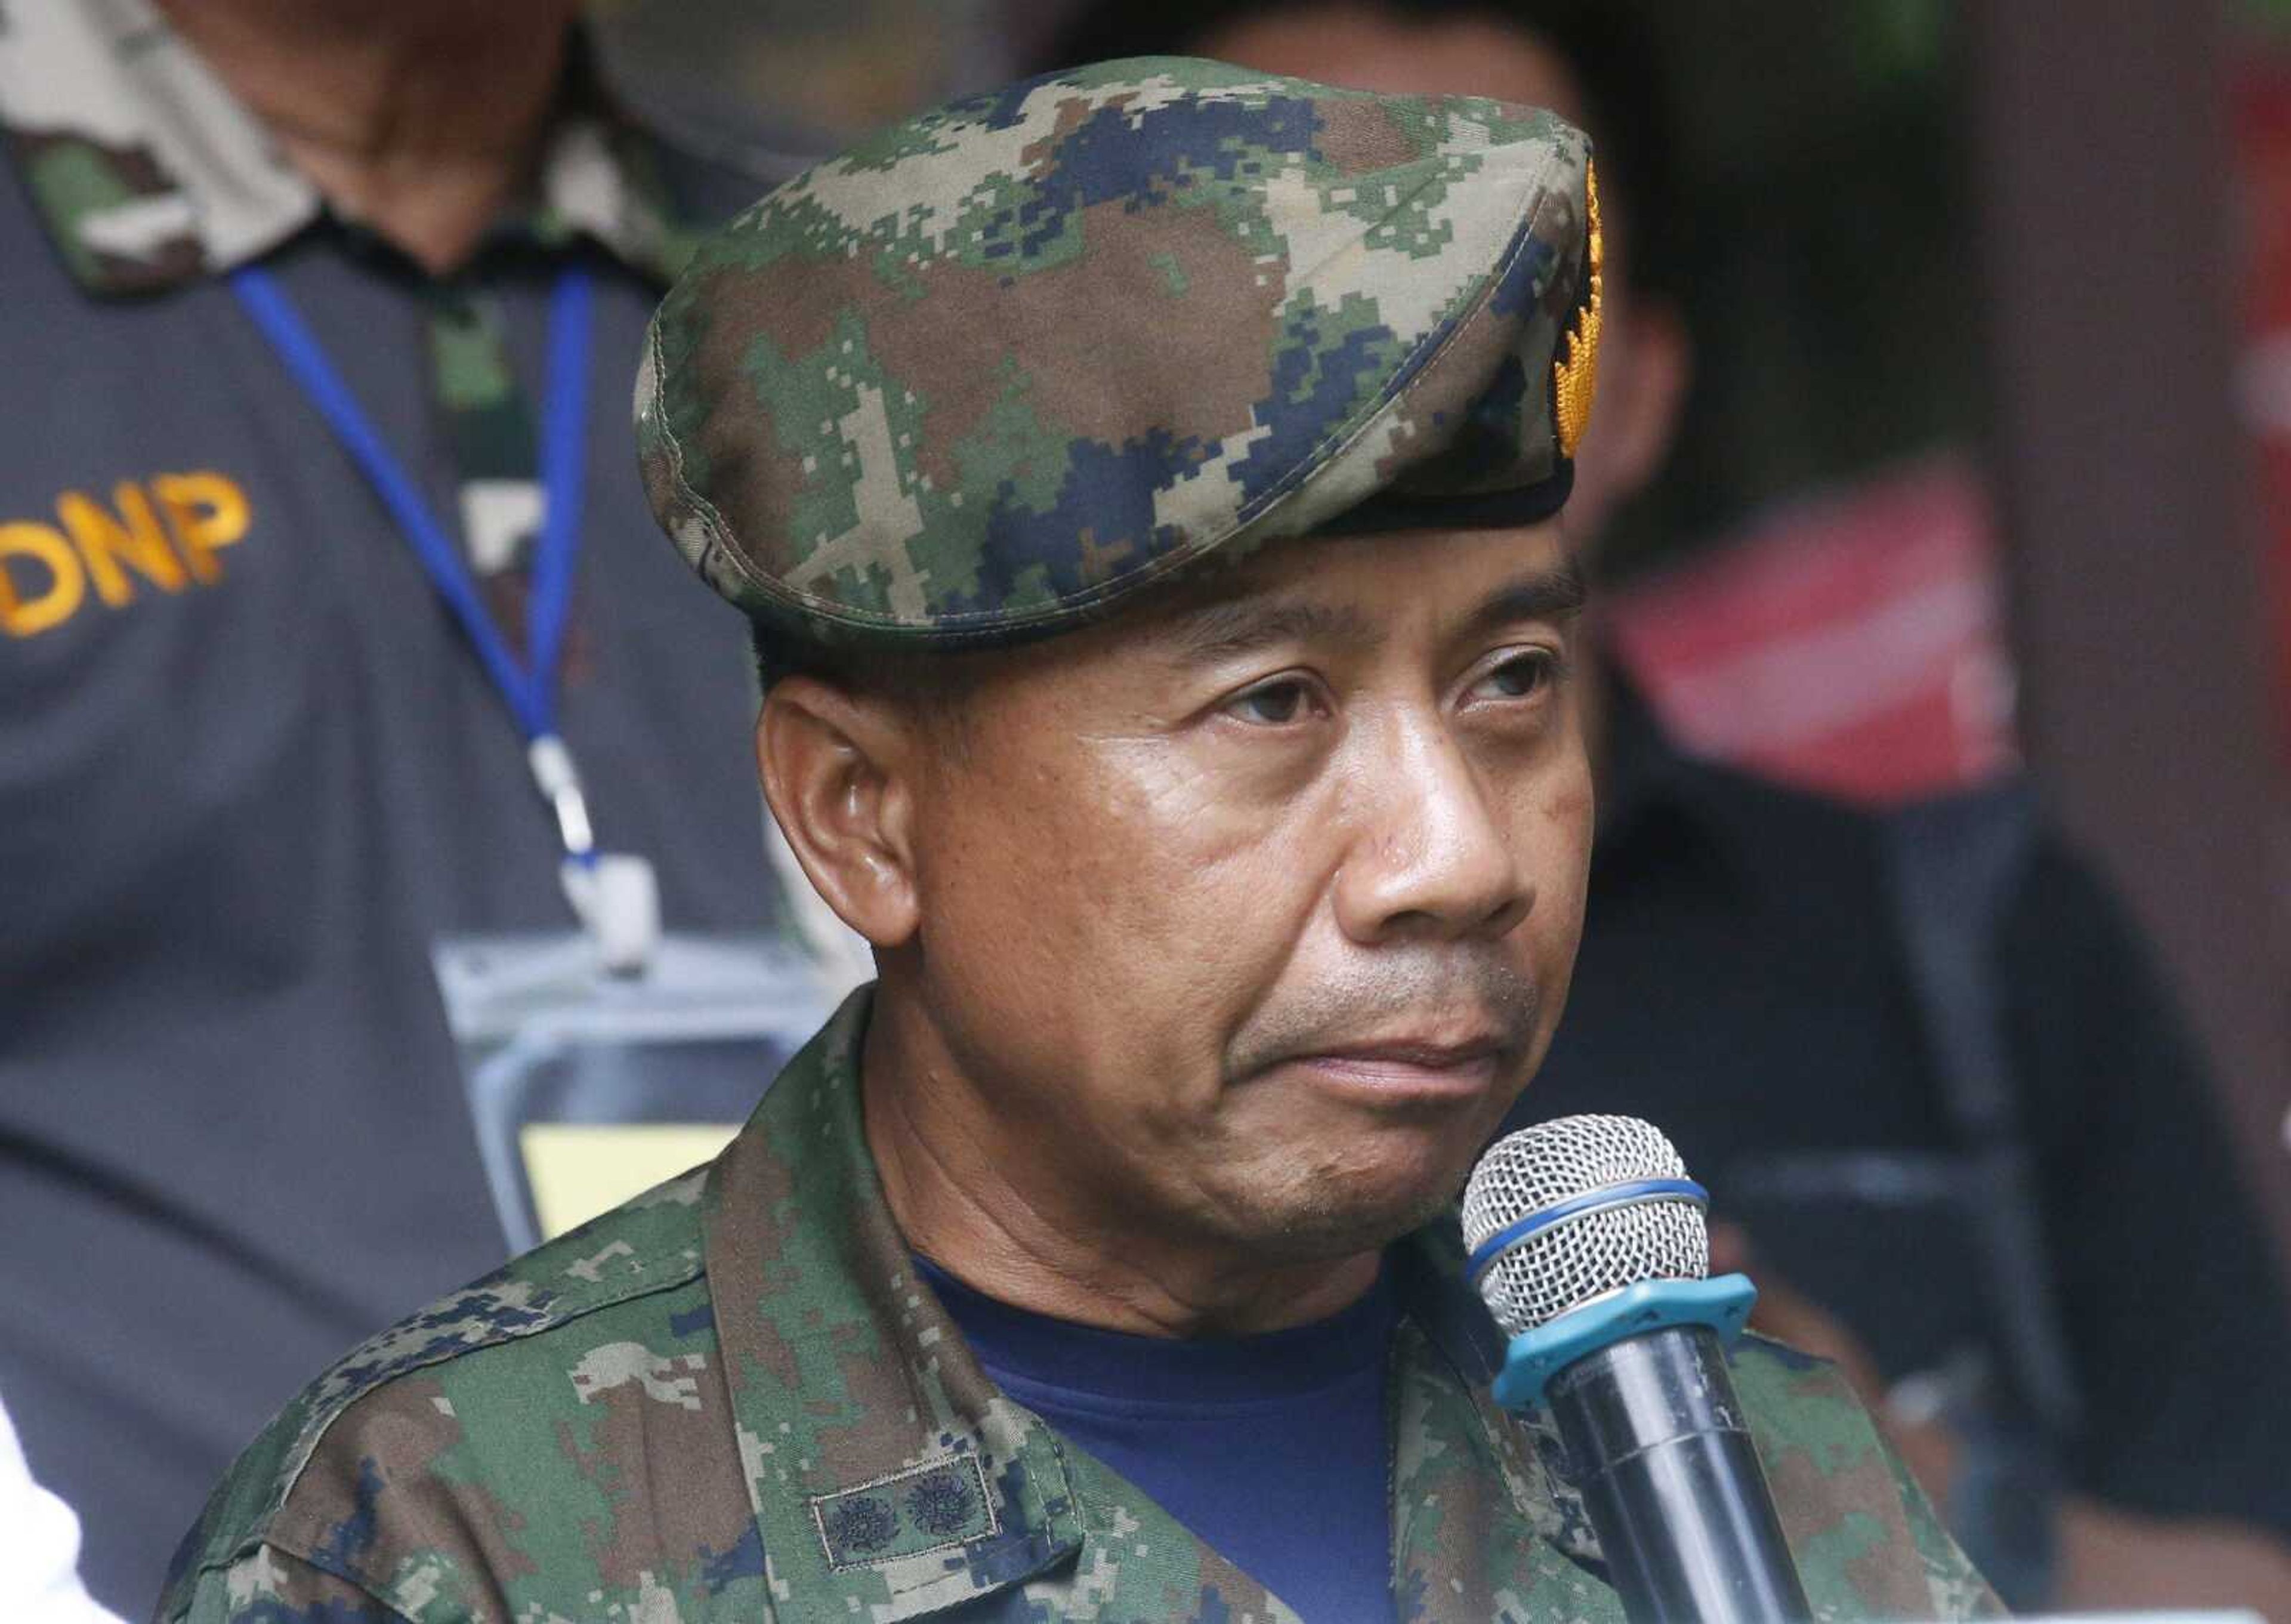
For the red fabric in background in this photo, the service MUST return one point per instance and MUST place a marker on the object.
(1850, 641)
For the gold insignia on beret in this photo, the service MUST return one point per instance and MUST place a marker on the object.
(1575, 378)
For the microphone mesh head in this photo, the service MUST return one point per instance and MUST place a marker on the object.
(1578, 1258)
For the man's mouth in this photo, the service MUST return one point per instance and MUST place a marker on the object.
(1407, 1069)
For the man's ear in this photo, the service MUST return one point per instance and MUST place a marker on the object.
(838, 771)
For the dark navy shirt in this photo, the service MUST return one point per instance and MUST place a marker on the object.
(1273, 1448)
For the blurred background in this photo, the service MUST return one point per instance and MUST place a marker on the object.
(1987, 457)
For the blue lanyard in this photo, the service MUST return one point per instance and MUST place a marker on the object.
(529, 690)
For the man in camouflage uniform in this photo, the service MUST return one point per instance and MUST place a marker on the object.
(1142, 482)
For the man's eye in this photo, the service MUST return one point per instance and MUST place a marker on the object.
(1273, 705)
(1524, 675)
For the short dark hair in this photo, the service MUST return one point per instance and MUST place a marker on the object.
(935, 681)
(1602, 42)
(859, 667)
(778, 655)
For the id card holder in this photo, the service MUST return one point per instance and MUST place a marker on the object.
(589, 1084)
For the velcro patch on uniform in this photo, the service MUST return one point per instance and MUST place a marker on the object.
(935, 1506)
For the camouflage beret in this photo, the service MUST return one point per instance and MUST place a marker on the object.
(986, 373)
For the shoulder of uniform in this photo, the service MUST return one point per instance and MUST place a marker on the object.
(1868, 1542)
(650, 1245)
(1799, 1400)
(266, 1583)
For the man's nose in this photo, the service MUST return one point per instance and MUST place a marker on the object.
(1435, 855)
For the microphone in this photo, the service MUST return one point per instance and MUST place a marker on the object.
(1587, 1243)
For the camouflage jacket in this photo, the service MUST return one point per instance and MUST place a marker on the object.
(732, 1399)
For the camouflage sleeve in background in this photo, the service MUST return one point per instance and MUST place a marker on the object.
(149, 174)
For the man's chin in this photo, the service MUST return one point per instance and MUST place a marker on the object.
(1344, 1217)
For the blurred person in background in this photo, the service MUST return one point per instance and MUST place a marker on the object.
(252, 763)
(1804, 997)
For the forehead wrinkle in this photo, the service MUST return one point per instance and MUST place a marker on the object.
(1555, 594)
(1249, 625)
(1229, 627)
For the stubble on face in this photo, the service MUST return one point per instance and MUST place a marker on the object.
(1338, 1193)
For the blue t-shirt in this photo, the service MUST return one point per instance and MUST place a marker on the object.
(1275, 1449)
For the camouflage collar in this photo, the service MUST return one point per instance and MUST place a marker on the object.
(149, 175)
(817, 1308)
(888, 1473)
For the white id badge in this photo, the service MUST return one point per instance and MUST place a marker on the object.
(589, 1084)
